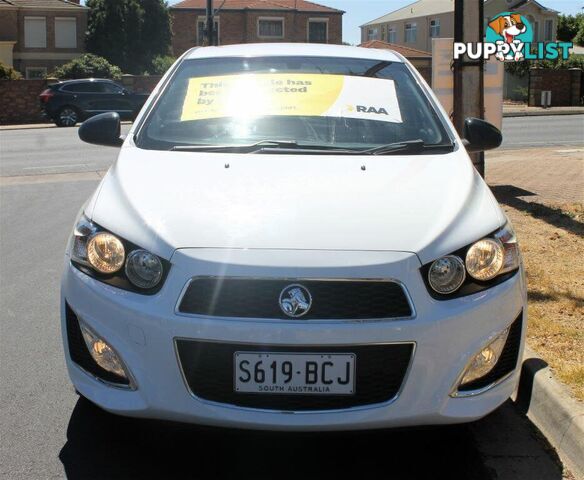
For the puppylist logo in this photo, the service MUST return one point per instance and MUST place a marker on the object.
(509, 37)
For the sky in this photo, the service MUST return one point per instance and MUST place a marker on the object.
(359, 12)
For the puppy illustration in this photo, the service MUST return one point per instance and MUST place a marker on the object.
(509, 26)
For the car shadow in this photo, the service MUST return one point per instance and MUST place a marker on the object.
(102, 445)
(509, 195)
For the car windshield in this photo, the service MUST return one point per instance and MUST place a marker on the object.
(307, 103)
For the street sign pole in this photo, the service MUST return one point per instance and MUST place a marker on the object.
(468, 74)
(210, 34)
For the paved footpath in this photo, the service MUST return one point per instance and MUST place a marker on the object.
(543, 175)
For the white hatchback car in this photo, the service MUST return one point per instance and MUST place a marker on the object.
(293, 237)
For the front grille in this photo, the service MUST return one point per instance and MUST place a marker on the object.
(506, 363)
(259, 298)
(208, 371)
(79, 353)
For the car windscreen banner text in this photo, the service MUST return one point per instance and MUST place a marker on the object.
(254, 95)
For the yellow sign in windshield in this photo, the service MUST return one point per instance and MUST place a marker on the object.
(251, 95)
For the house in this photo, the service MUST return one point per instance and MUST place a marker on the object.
(252, 21)
(38, 35)
(419, 59)
(416, 24)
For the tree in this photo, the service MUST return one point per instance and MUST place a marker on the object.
(87, 66)
(579, 38)
(568, 26)
(128, 33)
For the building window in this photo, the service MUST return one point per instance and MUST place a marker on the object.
(318, 30)
(391, 35)
(373, 33)
(35, 32)
(535, 32)
(202, 30)
(434, 28)
(271, 27)
(65, 32)
(36, 73)
(548, 29)
(411, 32)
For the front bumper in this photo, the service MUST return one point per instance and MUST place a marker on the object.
(143, 329)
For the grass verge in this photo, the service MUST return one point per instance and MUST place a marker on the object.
(552, 242)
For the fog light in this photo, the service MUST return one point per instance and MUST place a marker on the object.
(484, 361)
(102, 353)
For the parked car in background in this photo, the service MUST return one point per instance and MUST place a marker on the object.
(72, 101)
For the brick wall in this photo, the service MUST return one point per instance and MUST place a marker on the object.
(140, 83)
(8, 25)
(19, 102)
(184, 30)
(242, 27)
(566, 86)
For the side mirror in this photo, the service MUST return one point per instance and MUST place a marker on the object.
(480, 135)
(103, 129)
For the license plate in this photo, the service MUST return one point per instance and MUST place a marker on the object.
(294, 373)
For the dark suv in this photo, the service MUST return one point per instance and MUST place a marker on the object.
(72, 101)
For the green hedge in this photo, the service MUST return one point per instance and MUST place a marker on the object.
(8, 73)
(88, 66)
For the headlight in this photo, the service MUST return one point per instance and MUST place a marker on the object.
(83, 230)
(102, 255)
(484, 259)
(105, 252)
(446, 274)
(511, 257)
(490, 257)
(144, 269)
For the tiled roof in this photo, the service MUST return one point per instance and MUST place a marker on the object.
(405, 51)
(537, 4)
(299, 5)
(46, 4)
(421, 8)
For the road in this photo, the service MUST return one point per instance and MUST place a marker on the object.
(48, 432)
(58, 150)
(557, 130)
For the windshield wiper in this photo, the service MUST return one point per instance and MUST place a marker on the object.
(268, 146)
(411, 146)
(244, 148)
(291, 146)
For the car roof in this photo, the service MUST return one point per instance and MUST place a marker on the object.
(293, 49)
(80, 80)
